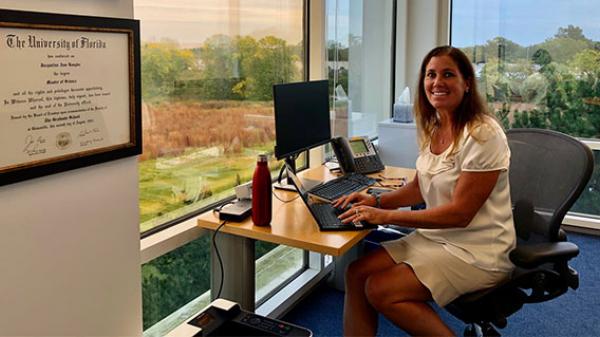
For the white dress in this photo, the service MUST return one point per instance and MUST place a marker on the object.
(454, 261)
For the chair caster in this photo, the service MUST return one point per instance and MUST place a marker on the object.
(472, 330)
(490, 331)
(475, 330)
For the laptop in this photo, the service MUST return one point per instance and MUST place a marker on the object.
(324, 213)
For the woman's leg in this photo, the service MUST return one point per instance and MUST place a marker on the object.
(360, 318)
(397, 293)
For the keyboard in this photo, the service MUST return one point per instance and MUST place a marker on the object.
(343, 185)
(327, 215)
(327, 218)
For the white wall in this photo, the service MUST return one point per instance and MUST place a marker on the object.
(421, 25)
(69, 242)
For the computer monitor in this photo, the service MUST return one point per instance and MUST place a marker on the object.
(301, 118)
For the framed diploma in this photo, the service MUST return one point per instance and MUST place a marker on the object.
(69, 92)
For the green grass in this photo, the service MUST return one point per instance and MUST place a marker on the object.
(171, 187)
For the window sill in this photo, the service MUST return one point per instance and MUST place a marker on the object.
(169, 239)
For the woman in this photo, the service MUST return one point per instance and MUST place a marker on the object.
(463, 237)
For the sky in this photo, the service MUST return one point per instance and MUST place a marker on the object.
(525, 22)
(190, 22)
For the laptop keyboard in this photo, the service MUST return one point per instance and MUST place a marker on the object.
(327, 214)
(343, 185)
(327, 217)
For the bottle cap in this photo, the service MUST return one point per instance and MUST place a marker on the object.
(262, 158)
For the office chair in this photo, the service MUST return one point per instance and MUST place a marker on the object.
(548, 172)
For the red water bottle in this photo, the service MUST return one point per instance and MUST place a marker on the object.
(261, 193)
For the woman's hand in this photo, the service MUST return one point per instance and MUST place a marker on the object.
(355, 199)
(364, 213)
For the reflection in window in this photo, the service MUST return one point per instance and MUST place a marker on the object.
(537, 71)
(171, 281)
(359, 63)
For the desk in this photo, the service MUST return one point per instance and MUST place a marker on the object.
(291, 225)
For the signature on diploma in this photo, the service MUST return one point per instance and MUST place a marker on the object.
(92, 141)
(86, 132)
(34, 145)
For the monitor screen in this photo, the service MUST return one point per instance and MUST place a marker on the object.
(301, 117)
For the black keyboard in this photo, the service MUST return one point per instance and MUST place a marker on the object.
(327, 217)
(343, 185)
(327, 214)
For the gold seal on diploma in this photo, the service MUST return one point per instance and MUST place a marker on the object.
(63, 140)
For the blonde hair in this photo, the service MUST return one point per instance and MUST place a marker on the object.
(470, 113)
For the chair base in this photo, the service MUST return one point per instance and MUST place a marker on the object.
(475, 330)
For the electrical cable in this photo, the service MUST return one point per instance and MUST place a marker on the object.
(214, 242)
(285, 201)
(280, 174)
(219, 208)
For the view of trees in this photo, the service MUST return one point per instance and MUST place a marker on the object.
(178, 277)
(206, 106)
(207, 113)
(223, 68)
(551, 85)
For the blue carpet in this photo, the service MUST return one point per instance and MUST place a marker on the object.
(576, 313)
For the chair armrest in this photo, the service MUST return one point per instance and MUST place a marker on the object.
(529, 256)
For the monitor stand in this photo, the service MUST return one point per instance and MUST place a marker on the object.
(287, 184)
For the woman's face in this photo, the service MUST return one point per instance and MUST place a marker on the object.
(444, 84)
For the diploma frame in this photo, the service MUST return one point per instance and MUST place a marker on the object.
(12, 172)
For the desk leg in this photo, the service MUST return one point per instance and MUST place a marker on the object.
(341, 264)
(237, 254)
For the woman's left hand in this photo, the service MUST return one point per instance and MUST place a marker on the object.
(364, 213)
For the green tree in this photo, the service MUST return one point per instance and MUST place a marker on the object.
(570, 32)
(162, 65)
(220, 67)
(503, 49)
(586, 62)
(273, 62)
(541, 57)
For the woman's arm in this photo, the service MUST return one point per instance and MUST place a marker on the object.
(470, 193)
(407, 195)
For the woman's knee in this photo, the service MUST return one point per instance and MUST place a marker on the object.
(356, 273)
(376, 292)
(386, 288)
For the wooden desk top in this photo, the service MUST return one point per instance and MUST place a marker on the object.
(293, 225)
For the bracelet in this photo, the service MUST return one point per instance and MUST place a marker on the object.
(378, 200)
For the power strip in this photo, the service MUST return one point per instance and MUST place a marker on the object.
(236, 212)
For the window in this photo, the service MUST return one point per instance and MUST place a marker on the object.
(207, 111)
(538, 70)
(359, 62)
(207, 73)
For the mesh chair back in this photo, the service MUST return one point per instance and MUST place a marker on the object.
(548, 171)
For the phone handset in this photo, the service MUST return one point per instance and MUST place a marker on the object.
(357, 155)
(344, 155)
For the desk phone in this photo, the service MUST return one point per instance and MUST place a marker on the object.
(357, 154)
